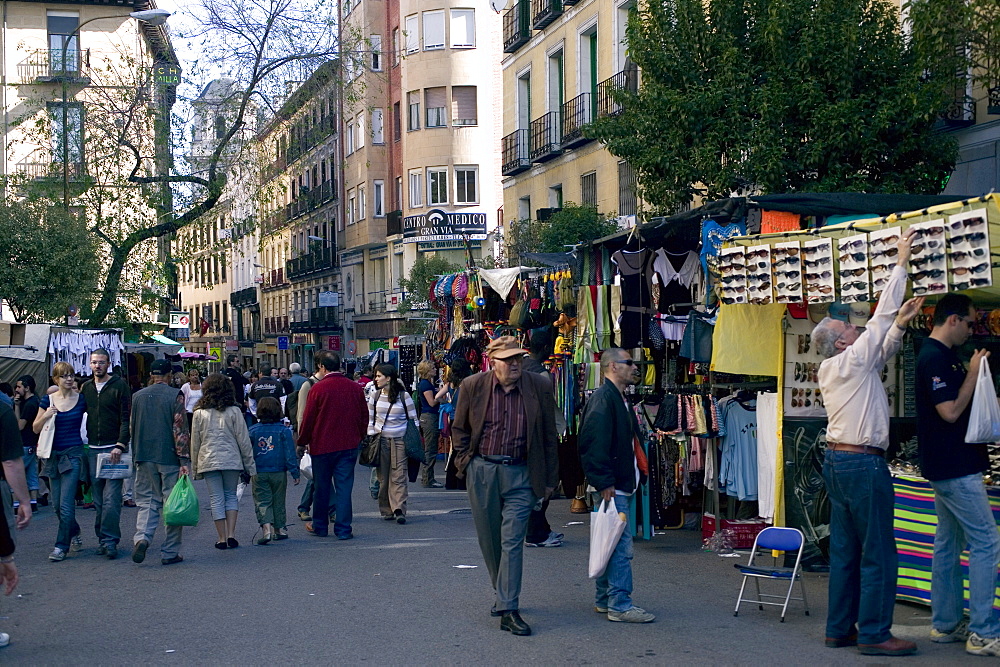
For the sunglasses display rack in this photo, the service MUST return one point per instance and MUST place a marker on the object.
(733, 271)
(928, 258)
(969, 251)
(855, 278)
(787, 275)
(817, 258)
(759, 282)
(884, 254)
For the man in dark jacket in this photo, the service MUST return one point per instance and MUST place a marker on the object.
(608, 444)
(109, 406)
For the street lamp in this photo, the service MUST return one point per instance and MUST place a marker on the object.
(153, 17)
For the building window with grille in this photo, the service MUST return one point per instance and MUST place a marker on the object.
(467, 185)
(464, 105)
(416, 189)
(413, 102)
(435, 99)
(627, 202)
(588, 189)
(437, 186)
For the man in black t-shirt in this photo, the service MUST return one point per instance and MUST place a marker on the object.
(266, 385)
(12, 470)
(25, 409)
(955, 468)
(235, 376)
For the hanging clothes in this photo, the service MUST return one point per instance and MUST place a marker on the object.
(738, 465)
(634, 269)
(767, 453)
(678, 276)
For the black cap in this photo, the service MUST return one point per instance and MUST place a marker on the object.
(160, 367)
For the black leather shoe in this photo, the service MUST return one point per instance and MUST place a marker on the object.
(496, 613)
(514, 624)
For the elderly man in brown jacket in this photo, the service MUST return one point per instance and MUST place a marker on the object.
(505, 441)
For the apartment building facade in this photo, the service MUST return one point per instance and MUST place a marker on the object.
(67, 69)
(421, 150)
(974, 118)
(562, 57)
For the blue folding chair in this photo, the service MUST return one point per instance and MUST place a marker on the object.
(774, 539)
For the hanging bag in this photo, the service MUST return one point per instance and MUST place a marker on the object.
(44, 448)
(371, 445)
(306, 466)
(984, 420)
(606, 528)
(412, 441)
(181, 508)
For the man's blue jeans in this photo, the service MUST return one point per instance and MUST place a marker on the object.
(614, 587)
(335, 470)
(964, 518)
(863, 559)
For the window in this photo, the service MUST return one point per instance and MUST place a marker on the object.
(352, 207)
(464, 106)
(378, 199)
(524, 208)
(67, 132)
(378, 135)
(466, 188)
(376, 45)
(349, 137)
(588, 189)
(437, 185)
(463, 28)
(361, 130)
(433, 30)
(556, 196)
(395, 47)
(361, 202)
(62, 28)
(627, 203)
(436, 99)
(220, 127)
(412, 34)
(524, 102)
(397, 202)
(416, 190)
(557, 85)
(413, 99)
(397, 122)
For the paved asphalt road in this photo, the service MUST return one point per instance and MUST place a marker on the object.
(394, 596)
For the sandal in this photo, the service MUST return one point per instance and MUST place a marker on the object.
(264, 539)
(221, 545)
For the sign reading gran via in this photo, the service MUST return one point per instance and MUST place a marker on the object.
(436, 225)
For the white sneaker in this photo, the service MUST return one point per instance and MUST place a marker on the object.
(4, 639)
(76, 543)
(57, 555)
(633, 615)
(959, 634)
(977, 645)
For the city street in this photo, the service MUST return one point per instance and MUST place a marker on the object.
(394, 596)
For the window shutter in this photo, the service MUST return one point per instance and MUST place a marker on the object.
(464, 105)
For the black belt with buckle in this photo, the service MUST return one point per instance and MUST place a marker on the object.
(504, 460)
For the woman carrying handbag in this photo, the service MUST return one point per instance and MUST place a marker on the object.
(387, 412)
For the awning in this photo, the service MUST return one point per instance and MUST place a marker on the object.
(163, 339)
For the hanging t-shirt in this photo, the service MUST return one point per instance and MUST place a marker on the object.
(738, 465)
(634, 267)
(677, 274)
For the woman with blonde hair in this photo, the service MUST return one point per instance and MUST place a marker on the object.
(65, 464)
(220, 451)
(428, 422)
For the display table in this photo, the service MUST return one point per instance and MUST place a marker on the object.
(914, 524)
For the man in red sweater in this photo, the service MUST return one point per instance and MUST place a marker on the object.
(333, 424)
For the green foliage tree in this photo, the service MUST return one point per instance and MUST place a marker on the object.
(567, 227)
(422, 275)
(758, 96)
(52, 260)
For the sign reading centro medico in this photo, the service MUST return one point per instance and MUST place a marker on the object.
(437, 225)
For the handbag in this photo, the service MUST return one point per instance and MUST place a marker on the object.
(412, 442)
(44, 448)
(370, 446)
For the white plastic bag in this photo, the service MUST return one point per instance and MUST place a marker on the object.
(306, 466)
(606, 528)
(984, 420)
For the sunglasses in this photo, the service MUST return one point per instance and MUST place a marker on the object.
(932, 258)
(891, 252)
(962, 270)
(759, 276)
(738, 289)
(732, 267)
(854, 245)
(823, 247)
(817, 262)
(974, 282)
(730, 300)
(855, 285)
(880, 282)
(789, 286)
(762, 286)
(933, 273)
(856, 256)
(959, 255)
(880, 268)
(852, 272)
(886, 240)
(761, 301)
(627, 362)
(929, 244)
(785, 251)
(933, 287)
(928, 231)
(789, 298)
(788, 260)
(960, 224)
(787, 274)
(969, 238)
(729, 279)
(823, 275)
(818, 287)
(756, 253)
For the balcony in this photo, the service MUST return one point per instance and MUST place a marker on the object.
(516, 26)
(52, 66)
(315, 320)
(393, 223)
(544, 12)
(545, 134)
(386, 301)
(311, 263)
(576, 114)
(50, 171)
(310, 200)
(273, 280)
(244, 297)
(305, 141)
(514, 148)
(607, 105)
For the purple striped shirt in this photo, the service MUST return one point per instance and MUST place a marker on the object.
(505, 432)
